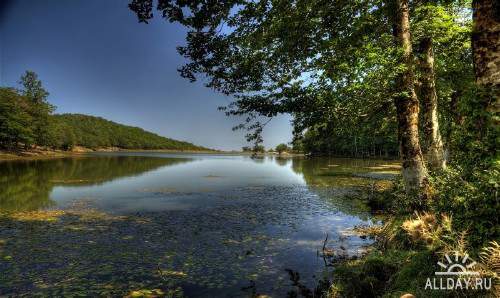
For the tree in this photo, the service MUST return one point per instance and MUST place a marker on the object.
(61, 135)
(486, 56)
(282, 148)
(32, 87)
(40, 108)
(328, 63)
(442, 35)
(258, 149)
(433, 143)
(15, 128)
(407, 106)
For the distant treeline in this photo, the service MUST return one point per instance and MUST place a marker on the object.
(359, 140)
(95, 132)
(27, 120)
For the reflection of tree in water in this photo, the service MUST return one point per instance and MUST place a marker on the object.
(335, 172)
(301, 290)
(338, 181)
(282, 161)
(26, 185)
(298, 289)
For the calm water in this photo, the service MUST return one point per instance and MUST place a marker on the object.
(197, 225)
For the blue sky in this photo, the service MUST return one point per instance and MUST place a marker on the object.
(95, 58)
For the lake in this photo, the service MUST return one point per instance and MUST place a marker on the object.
(195, 225)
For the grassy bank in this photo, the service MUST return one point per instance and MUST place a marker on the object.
(406, 252)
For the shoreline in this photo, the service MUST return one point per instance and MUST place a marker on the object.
(42, 154)
(36, 155)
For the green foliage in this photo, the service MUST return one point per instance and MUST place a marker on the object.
(61, 135)
(472, 202)
(15, 119)
(396, 269)
(25, 115)
(282, 148)
(39, 108)
(324, 62)
(32, 87)
(96, 132)
(359, 140)
(331, 64)
(259, 149)
(468, 190)
(414, 269)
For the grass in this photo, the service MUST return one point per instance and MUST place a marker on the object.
(405, 254)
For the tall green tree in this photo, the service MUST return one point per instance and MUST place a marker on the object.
(282, 148)
(40, 110)
(407, 105)
(433, 143)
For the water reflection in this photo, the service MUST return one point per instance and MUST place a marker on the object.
(339, 180)
(36, 184)
(27, 185)
(209, 224)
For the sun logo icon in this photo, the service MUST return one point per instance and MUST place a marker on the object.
(457, 267)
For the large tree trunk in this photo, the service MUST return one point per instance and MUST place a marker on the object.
(486, 42)
(483, 122)
(406, 101)
(486, 55)
(433, 143)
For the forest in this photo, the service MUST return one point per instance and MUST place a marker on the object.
(416, 79)
(27, 120)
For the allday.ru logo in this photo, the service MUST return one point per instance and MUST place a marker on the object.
(458, 274)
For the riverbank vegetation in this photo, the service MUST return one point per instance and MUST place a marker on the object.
(418, 79)
(27, 121)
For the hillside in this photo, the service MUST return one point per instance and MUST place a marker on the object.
(95, 132)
